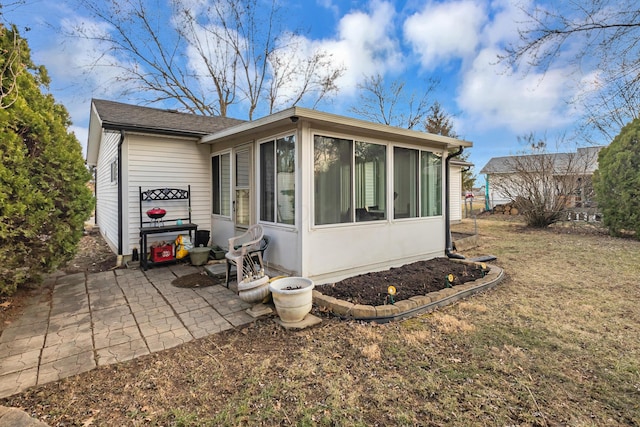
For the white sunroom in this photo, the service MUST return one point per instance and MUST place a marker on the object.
(337, 196)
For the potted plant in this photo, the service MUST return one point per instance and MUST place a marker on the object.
(292, 297)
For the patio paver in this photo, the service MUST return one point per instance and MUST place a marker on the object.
(109, 317)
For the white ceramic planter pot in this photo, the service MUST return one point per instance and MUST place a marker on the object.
(292, 297)
(254, 291)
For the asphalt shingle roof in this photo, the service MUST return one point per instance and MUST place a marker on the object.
(118, 114)
(587, 158)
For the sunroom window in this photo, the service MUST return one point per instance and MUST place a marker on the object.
(221, 184)
(405, 182)
(277, 180)
(417, 182)
(430, 184)
(350, 181)
(370, 181)
(332, 180)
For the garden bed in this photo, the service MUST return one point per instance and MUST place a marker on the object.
(419, 287)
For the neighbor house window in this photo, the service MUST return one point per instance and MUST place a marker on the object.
(221, 184)
(349, 181)
(417, 183)
(277, 180)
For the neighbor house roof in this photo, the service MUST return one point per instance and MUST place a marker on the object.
(587, 158)
(118, 116)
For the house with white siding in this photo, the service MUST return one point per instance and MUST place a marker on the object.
(456, 194)
(570, 173)
(337, 196)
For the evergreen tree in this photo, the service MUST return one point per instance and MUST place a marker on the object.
(617, 182)
(439, 122)
(44, 199)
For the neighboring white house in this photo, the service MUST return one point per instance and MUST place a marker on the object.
(579, 165)
(337, 196)
(455, 189)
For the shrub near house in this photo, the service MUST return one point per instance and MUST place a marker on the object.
(617, 182)
(44, 200)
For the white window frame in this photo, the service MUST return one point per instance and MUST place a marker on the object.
(418, 176)
(275, 214)
(353, 220)
(222, 212)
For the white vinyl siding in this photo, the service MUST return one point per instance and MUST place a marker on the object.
(164, 162)
(107, 190)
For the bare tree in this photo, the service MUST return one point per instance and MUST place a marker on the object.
(391, 105)
(10, 5)
(10, 64)
(599, 35)
(295, 77)
(10, 68)
(545, 186)
(210, 55)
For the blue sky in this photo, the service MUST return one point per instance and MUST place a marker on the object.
(456, 41)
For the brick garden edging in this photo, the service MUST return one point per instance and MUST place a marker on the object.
(410, 307)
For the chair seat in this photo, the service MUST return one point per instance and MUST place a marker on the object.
(232, 257)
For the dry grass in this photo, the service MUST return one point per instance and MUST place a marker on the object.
(557, 343)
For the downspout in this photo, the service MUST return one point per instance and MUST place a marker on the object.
(449, 244)
(120, 196)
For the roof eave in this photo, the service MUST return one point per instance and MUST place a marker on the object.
(148, 129)
(295, 114)
(93, 137)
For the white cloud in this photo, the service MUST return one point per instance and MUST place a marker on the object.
(71, 60)
(521, 102)
(506, 20)
(492, 95)
(365, 44)
(80, 69)
(444, 31)
(329, 5)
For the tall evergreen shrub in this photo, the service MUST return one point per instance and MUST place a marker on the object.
(44, 199)
(617, 182)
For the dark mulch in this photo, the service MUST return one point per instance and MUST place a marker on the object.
(195, 280)
(418, 278)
